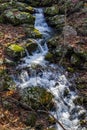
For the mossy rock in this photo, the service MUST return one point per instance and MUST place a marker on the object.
(4, 6)
(16, 17)
(33, 33)
(81, 86)
(49, 57)
(15, 51)
(70, 69)
(23, 7)
(56, 21)
(80, 100)
(38, 97)
(31, 47)
(51, 11)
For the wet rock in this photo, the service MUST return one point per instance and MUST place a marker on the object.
(49, 57)
(32, 32)
(51, 11)
(66, 92)
(15, 51)
(31, 46)
(16, 17)
(80, 100)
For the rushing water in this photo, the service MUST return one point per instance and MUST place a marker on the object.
(51, 77)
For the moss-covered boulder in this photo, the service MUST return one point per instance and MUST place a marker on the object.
(51, 11)
(15, 51)
(32, 32)
(71, 6)
(57, 21)
(16, 17)
(23, 7)
(38, 97)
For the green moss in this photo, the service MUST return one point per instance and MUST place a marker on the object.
(16, 48)
(37, 33)
(49, 56)
(70, 69)
(30, 9)
(51, 120)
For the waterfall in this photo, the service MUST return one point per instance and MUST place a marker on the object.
(52, 77)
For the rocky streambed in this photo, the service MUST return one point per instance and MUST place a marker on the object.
(45, 63)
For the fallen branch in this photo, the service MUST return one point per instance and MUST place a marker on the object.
(43, 111)
(26, 107)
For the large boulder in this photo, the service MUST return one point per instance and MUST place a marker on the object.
(16, 17)
(23, 7)
(57, 21)
(71, 6)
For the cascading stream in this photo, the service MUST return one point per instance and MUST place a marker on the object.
(51, 77)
